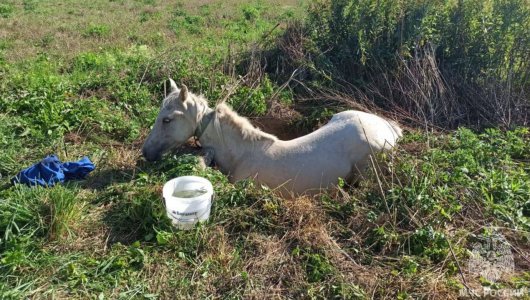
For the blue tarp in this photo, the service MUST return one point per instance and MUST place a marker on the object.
(51, 170)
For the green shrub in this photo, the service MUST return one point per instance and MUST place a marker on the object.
(252, 101)
(473, 38)
(445, 63)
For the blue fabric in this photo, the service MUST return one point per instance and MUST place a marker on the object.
(51, 170)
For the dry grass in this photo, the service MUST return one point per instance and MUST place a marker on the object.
(60, 28)
(64, 26)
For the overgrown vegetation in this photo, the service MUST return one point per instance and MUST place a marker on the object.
(441, 63)
(92, 83)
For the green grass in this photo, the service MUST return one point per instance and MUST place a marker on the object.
(84, 87)
(6, 9)
(450, 63)
(95, 30)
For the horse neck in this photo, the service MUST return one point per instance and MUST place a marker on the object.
(230, 145)
(198, 110)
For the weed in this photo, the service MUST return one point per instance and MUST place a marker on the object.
(46, 40)
(192, 24)
(96, 30)
(6, 10)
(428, 242)
(250, 13)
(415, 57)
(30, 5)
(147, 15)
(317, 267)
(4, 44)
(149, 2)
(252, 102)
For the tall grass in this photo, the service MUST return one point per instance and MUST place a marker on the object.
(446, 63)
(66, 211)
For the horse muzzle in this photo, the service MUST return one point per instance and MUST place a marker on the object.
(151, 154)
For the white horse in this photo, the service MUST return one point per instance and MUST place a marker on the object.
(340, 149)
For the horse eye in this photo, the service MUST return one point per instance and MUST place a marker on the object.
(166, 120)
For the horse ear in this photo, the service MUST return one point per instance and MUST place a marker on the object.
(170, 87)
(183, 93)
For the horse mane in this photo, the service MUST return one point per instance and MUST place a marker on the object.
(224, 113)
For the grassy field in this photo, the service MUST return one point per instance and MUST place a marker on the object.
(86, 78)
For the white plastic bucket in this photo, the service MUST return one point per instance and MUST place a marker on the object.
(186, 211)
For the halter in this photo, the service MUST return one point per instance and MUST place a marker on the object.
(203, 124)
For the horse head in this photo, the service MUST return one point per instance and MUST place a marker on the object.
(177, 121)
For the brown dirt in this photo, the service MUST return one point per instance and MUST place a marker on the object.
(280, 122)
(281, 128)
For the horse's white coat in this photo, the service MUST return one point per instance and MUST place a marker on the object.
(340, 149)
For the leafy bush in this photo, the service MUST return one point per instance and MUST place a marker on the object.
(473, 39)
(445, 63)
(252, 101)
